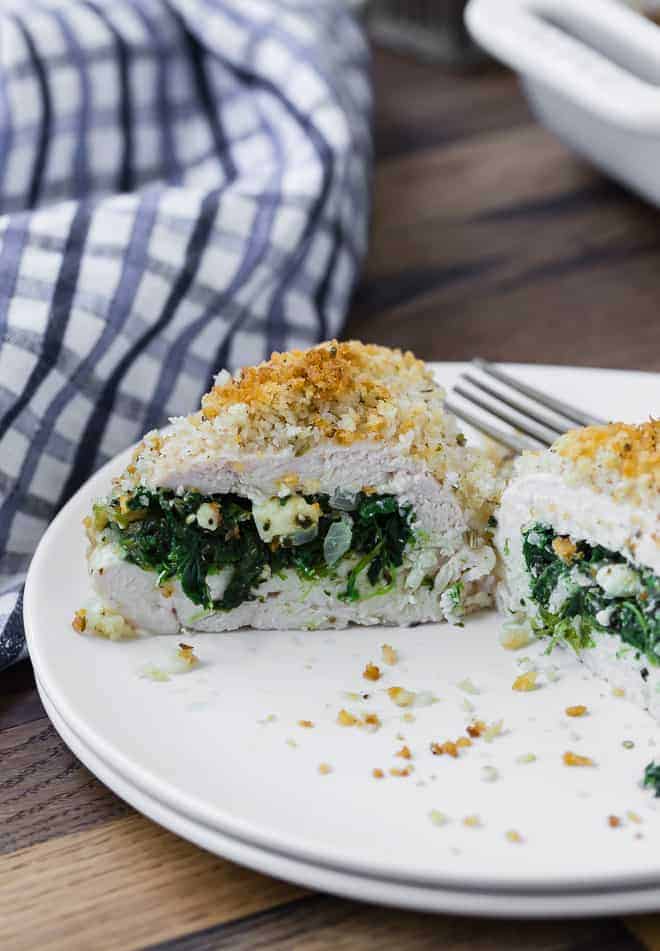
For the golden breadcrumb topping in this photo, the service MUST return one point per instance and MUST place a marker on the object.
(632, 451)
(343, 392)
(308, 383)
(621, 459)
(335, 392)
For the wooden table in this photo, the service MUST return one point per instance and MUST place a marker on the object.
(488, 237)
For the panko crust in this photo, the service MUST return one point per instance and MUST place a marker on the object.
(343, 391)
(621, 459)
(633, 452)
(309, 382)
(334, 393)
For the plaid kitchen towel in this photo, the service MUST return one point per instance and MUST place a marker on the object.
(183, 187)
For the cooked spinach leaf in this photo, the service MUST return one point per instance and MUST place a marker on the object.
(652, 777)
(573, 605)
(381, 531)
(160, 531)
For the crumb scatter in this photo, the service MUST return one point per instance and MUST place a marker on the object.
(401, 697)
(578, 710)
(575, 759)
(389, 655)
(526, 682)
(371, 672)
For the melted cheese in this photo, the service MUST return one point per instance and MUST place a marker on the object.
(282, 518)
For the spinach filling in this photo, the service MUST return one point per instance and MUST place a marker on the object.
(582, 589)
(652, 777)
(192, 536)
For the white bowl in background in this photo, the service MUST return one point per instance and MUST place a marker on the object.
(591, 71)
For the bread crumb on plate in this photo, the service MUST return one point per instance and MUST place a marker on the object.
(388, 654)
(574, 759)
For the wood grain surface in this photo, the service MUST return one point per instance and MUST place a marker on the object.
(489, 238)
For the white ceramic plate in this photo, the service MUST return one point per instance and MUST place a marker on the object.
(211, 750)
(438, 898)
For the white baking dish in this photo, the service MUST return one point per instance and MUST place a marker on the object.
(591, 70)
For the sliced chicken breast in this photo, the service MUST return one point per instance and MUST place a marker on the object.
(332, 478)
(579, 538)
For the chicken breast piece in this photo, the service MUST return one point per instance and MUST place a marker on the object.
(323, 488)
(579, 538)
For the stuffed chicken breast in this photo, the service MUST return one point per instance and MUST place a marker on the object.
(321, 488)
(579, 537)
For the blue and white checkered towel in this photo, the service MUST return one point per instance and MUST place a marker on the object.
(183, 187)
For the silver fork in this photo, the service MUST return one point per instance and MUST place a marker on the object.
(536, 419)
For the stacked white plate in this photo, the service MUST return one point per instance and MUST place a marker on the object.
(219, 756)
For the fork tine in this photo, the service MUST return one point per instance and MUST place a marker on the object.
(516, 405)
(557, 406)
(526, 426)
(511, 440)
